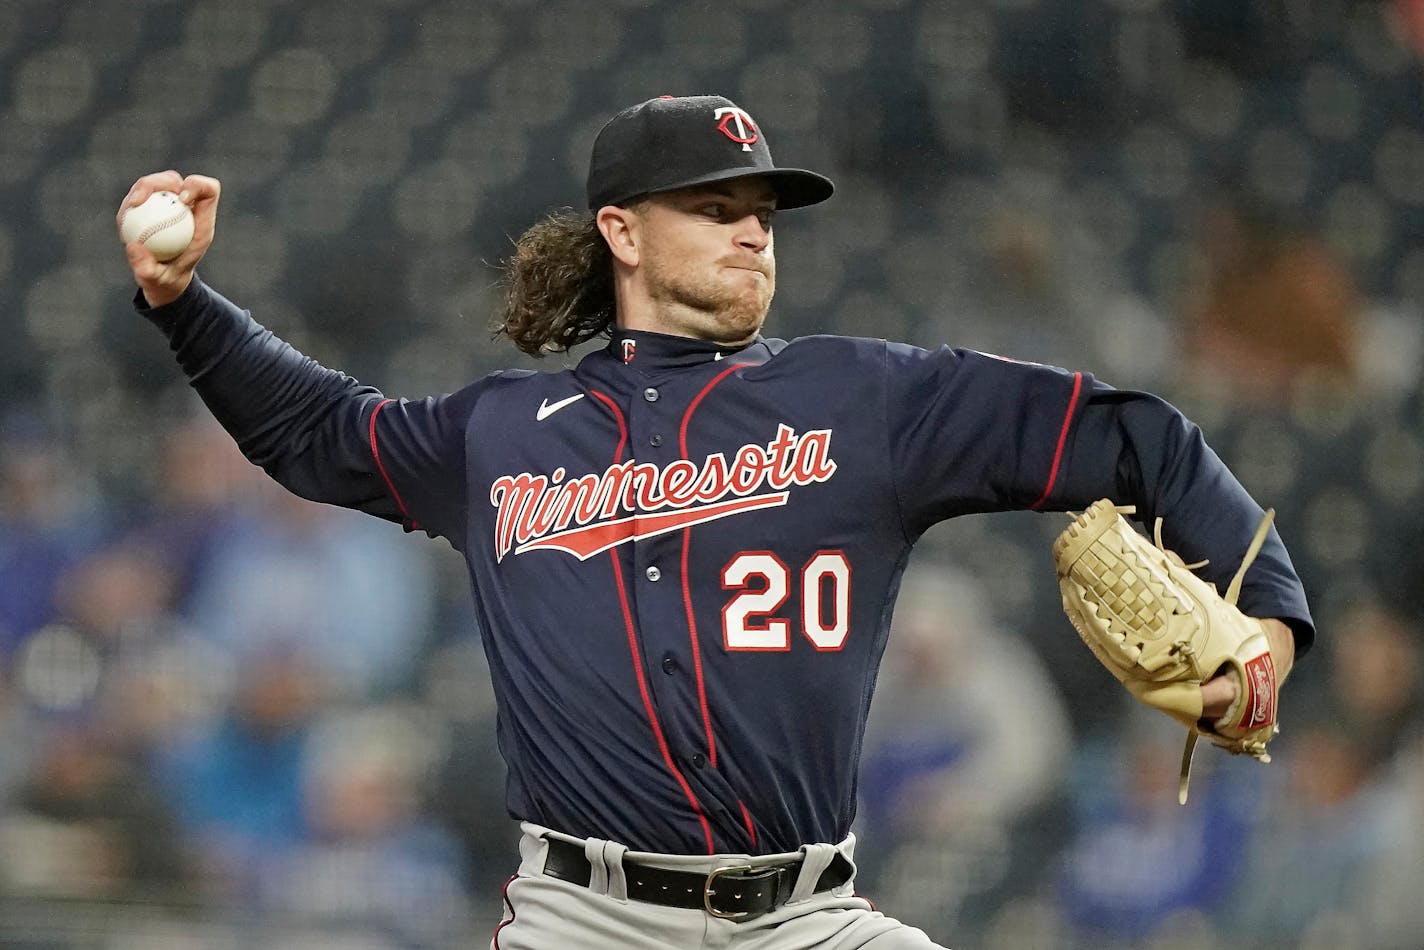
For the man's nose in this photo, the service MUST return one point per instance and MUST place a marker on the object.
(752, 233)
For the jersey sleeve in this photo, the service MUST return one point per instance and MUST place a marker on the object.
(418, 448)
(971, 432)
(318, 432)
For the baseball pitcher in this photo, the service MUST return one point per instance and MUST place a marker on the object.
(684, 551)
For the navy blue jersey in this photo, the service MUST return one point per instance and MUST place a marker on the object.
(684, 558)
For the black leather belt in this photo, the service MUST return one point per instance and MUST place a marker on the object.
(735, 892)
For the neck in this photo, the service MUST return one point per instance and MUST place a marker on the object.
(674, 318)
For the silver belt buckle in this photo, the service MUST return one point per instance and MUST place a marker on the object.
(707, 890)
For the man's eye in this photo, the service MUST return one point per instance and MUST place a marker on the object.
(714, 210)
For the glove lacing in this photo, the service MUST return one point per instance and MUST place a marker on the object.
(1233, 592)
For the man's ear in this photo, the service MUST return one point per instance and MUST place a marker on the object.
(619, 227)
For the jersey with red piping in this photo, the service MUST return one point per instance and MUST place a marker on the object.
(684, 557)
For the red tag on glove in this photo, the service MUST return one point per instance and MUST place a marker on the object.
(1259, 709)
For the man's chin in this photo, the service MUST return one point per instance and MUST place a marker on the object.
(730, 320)
(741, 325)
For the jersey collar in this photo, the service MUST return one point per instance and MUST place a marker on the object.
(649, 352)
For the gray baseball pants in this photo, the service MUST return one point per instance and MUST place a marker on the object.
(544, 913)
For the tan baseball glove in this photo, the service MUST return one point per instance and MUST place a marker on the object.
(1163, 631)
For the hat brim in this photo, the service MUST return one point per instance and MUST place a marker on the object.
(794, 187)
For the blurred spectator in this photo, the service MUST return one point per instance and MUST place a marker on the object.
(86, 818)
(1024, 309)
(1025, 285)
(467, 789)
(239, 787)
(49, 518)
(357, 593)
(1326, 818)
(1406, 18)
(964, 750)
(1340, 805)
(1374, 680)
(1386, 910)
(1141, 868)
(372, 858)
(88, 824)
(202, 491)
(121, 594)
(1273, 314)
(112, 612)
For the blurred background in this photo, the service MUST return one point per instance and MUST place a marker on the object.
(231, 719)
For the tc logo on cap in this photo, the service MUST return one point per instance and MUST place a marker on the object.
(746, 131)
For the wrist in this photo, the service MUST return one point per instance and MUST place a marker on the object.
(1282, 641)
(160, 294)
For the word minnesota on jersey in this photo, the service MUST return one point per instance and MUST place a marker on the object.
(632, 500)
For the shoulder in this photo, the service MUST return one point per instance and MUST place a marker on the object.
(889, 357)
(964, 360)
(520, 381)
(828, 349)
(489, 393)
(887, 351)
(518, 378)
(834, 341)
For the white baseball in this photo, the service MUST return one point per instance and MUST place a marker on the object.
(163, 223)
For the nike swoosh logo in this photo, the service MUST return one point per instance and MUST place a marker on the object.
(547, 408)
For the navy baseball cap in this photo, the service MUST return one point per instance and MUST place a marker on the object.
(673, 142)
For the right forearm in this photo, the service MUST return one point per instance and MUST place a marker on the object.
(285, 411)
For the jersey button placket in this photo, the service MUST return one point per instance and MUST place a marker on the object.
(658, 603)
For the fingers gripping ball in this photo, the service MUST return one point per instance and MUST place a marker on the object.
(1162, 631)
(162, 223)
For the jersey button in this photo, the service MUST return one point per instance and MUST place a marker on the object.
(650, 394)
(669, 665)
(656, 440)
(653, 572)
(698, 760)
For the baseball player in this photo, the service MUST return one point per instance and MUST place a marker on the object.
(684, 551)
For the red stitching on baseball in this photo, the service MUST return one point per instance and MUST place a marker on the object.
(154, 228)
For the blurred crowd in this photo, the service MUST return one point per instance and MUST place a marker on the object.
(233, 719)
(231, 699)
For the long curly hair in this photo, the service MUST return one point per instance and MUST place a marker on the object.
(558, 285)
